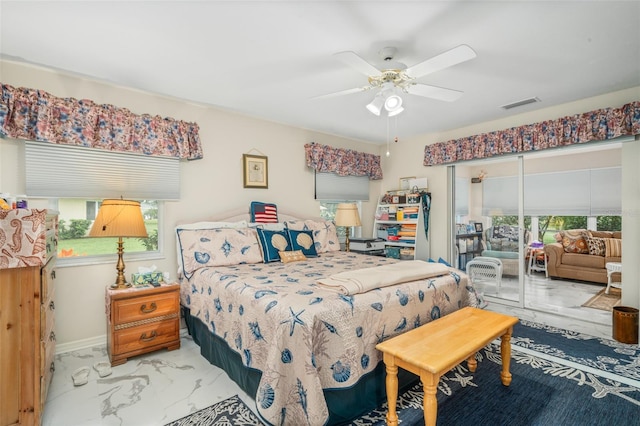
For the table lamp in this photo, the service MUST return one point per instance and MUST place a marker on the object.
(347, 215)
(119, 218)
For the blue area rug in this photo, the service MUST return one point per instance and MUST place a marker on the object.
(560, 377)
(231, 411)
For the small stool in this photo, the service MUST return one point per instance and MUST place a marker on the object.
(611, 268)
(485, 268)
(534, 253)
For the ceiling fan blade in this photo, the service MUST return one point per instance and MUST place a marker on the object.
(434, 92)
(356, 62)
(449, 58)
(342, 92)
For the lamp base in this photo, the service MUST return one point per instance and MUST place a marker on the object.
(121, 282)
(346, 242)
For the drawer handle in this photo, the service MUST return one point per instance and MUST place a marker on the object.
(52, 368)
(144, 338)
(52, 306)
(53, 275)
(52, 336)
(148, 310)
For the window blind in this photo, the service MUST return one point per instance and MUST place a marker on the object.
(462, 196)
(606, 192)
(558, 193)
(62, 171)
(330, 186)
(592, 192)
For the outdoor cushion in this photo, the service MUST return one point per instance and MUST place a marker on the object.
(500, 254)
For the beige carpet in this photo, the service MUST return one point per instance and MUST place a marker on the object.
(603, 301)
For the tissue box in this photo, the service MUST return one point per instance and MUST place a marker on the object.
(147, 278)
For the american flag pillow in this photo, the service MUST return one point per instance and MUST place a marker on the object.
(263, 212)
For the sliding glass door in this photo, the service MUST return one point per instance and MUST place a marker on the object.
(524, 204)
(488, 227)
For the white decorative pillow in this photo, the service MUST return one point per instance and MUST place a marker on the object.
(325, 235)
(199, 248)
(268, 226)
(214, 225)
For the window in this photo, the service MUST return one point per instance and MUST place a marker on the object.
(78, 179)
(332, 189)
(76, 218)
(328, 212)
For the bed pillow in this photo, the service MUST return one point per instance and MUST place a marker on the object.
(273, 242)
(213, 225)
(263, 212)
(325, 235)
(268, 226)
(204, 225)
(303, 241)
(291, 256)
(199, 248)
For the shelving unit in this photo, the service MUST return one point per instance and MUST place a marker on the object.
(388, 225)
(468, 247)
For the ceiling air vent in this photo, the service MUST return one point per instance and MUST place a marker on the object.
(520, 103)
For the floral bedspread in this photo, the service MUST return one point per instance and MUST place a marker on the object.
(304, 338)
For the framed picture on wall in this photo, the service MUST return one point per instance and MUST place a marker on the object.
(478, 227)
(255, 171)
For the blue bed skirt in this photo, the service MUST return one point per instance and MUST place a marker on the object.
(344, 404)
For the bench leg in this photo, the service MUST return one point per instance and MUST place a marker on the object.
(472, 364)
(430, 385)
(505, 353)
(391, 383)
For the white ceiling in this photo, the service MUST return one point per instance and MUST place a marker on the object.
(268, 59)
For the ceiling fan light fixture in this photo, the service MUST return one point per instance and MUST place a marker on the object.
(393, 103)
(375, 107)
(395, 111)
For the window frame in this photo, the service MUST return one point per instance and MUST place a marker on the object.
(100, 259)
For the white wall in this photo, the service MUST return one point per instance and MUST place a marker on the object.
(209, 186)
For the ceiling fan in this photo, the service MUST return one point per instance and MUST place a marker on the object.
(397, 77)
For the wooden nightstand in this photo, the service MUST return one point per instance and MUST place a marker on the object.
(142, 320)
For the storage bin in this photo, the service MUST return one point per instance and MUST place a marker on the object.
(625, 324)
(393, 252)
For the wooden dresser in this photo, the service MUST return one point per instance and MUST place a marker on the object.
(141, 320)
(28, 245)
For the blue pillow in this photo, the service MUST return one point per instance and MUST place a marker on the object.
(272, 242)
(303, 240)
(444, 262)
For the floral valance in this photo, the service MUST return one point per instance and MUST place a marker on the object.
(344, 162)
(598, 125)
(32, 114)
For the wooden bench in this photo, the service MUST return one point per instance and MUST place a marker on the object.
(435, 348)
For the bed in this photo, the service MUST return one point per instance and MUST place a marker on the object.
(305, 352)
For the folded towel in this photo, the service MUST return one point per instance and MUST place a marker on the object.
(362, 280)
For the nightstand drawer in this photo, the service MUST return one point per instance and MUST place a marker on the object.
(142, 308)
(143, 336)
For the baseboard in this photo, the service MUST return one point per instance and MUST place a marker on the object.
(93, 341)
(81, 344)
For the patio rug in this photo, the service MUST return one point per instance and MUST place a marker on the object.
(604, 302)
(559, 377)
